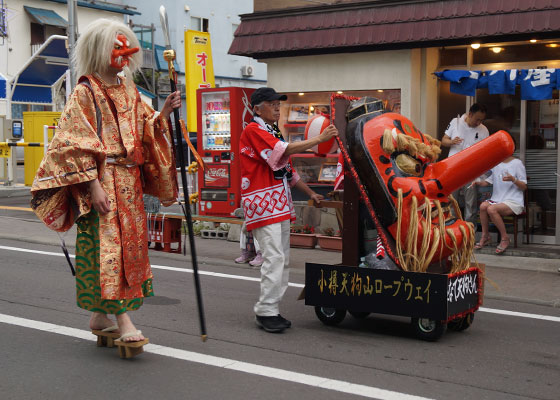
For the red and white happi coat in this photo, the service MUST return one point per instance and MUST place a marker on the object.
(265, 200)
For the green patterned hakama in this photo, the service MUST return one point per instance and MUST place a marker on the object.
(87, 272)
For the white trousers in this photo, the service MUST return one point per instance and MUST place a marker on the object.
(274, 241)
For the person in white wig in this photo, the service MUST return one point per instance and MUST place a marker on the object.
(109, 149)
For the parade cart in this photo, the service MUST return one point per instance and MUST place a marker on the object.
(433, 301)
(396, 188)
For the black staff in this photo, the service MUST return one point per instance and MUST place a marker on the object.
(169, 56)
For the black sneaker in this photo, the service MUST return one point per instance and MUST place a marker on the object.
(286, 322)
(270, 324)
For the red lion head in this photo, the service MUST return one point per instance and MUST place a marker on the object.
(411, 192)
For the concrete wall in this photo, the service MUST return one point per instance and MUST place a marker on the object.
(351, 71)
(411, 71)
(428, 92)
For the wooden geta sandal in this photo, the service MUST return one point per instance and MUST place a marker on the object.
(130, 349)
(106, 337)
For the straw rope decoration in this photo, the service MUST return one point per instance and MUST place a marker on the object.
(416, 258)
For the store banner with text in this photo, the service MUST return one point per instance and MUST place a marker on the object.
(199, 71)
(535, 84)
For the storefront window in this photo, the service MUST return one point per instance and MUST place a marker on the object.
(541, 163)
(503, 112)
(318, 168)
(519, 53)
(451, 57)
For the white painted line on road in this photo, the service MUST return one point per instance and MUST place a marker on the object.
(297, 285)
(219, 275)
(227, 363)
(520, 314)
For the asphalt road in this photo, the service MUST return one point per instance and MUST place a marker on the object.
(499, 357)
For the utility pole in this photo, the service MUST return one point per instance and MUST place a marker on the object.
(72, 23)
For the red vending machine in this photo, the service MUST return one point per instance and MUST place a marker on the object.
(222, 115)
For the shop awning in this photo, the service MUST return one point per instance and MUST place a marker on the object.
(380, 25)
(33, 82)
(46, 17)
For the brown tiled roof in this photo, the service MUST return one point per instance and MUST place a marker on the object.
(378, 25)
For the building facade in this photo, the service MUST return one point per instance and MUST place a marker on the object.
(391, 50)
(219, 18)
(26, 24)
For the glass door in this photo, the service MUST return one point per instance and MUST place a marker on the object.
(541, 162)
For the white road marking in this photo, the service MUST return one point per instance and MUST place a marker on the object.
(227, 363)
(297, 285)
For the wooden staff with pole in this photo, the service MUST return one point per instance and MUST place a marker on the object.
(169, 56)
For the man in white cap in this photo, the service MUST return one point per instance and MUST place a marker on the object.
(266, 178)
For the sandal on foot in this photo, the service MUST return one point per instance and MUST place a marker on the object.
(129, 335)
(111, 328)
(504, 243)
(484, 241)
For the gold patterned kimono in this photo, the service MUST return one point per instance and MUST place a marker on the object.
(131, 154)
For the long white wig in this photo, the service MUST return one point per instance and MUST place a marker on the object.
(94, 47)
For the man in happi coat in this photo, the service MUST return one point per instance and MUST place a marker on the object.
(108, 150)
(266, 178)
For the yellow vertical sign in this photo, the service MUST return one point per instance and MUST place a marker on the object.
(199, 70)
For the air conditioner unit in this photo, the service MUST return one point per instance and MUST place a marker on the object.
(247, 70)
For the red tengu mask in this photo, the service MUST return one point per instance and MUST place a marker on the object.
(121, 52)
(411, 192)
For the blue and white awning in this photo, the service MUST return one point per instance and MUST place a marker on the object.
(33, 82)
(535, 84)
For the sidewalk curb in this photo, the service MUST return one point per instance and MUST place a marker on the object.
(538, 302)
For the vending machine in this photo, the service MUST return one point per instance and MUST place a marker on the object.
(223, 113)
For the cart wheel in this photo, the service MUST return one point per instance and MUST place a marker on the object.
(330, 316)
(428, 329)
(460, 324)
(359, 314)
